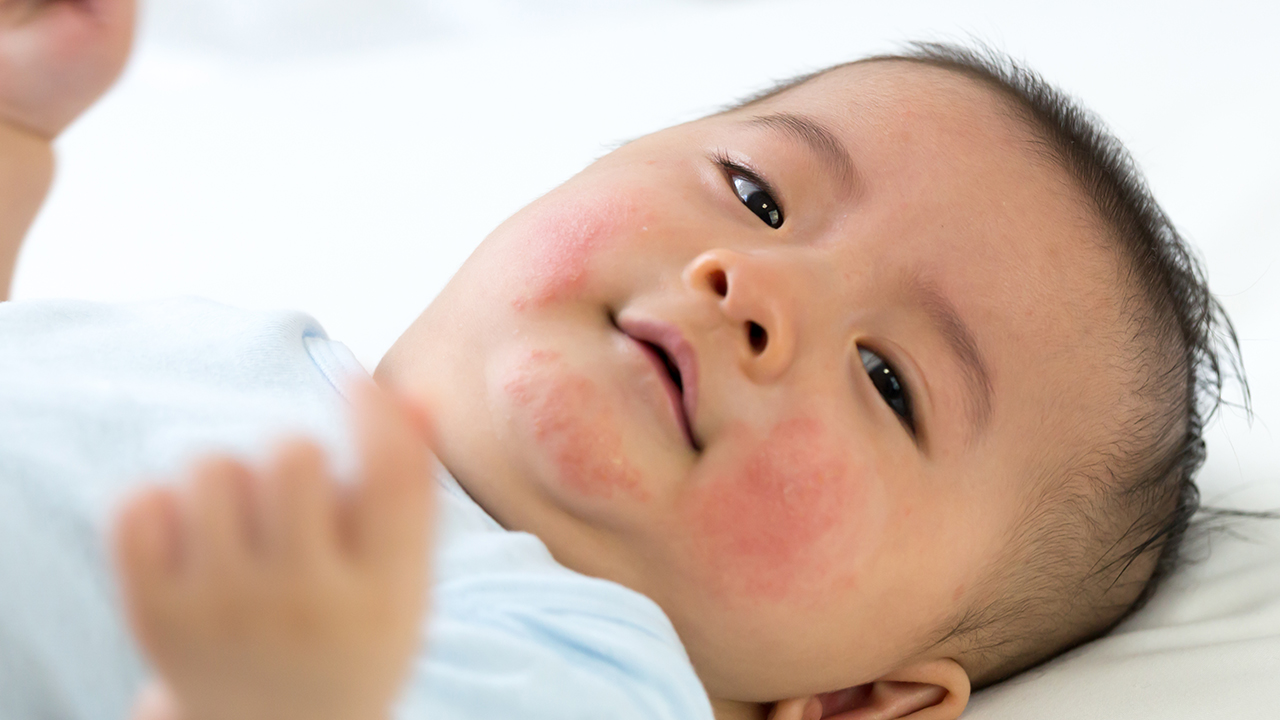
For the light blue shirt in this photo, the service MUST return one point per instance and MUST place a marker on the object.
(94, 399)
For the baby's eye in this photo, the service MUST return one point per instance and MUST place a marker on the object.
(758, 200)
(885, 378)
(752, 190)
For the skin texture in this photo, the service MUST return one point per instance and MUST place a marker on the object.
(567, 236)
(766, 518)
(811, 544)
(579, 431)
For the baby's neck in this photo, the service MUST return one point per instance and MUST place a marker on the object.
(722, 709)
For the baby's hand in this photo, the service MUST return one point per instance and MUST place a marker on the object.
(272, 595)
(57, 57)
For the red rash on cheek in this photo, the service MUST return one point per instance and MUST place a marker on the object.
(562, 239)
(577, 430)
(763, 526)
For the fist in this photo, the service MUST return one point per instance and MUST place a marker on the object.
(57, 57)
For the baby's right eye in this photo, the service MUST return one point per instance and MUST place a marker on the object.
(758, 200)
(753, 192)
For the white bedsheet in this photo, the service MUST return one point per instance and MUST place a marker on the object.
(263, 162)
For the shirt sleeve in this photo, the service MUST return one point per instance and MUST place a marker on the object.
(565, 648)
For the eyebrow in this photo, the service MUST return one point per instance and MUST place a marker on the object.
(960, 338)
(818, 138)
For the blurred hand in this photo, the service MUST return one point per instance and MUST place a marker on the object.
(57, 57)
(272, 593)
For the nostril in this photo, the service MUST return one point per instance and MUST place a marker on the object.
(757, 336)
(719, 282)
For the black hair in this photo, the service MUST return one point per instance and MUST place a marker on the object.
(1186, 349)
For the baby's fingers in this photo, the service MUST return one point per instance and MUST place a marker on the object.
(155, 702)
(147, 543)
(392, 503)
(298, 493)
(806, 708)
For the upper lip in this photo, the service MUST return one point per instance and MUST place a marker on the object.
(668, 339)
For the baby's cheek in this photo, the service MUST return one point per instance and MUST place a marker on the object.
(778, 520)
(574, 428)
(561, 238)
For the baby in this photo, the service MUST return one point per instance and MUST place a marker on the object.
(879, 388)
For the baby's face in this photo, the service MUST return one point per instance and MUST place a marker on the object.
(884, 314)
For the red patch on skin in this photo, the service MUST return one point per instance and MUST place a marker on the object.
(562, 239)
(576, 429)
(763, 525)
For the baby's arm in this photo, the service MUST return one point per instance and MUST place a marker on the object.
(26, 168)
(56, 58)
(272, 595)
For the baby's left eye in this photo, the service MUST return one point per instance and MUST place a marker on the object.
(885, 378)
(757, 199)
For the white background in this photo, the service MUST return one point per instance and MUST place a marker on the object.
(344, 157)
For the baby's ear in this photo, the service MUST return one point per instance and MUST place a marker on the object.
(927, 690)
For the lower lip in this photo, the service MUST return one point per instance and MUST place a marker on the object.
(673, 393)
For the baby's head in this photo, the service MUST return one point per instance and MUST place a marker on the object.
(887, 379)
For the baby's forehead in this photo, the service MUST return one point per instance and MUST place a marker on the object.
(916, 102)
(960, 144)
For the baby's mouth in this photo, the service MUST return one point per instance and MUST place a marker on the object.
(675, 362)
(656, 352)
(672, 370)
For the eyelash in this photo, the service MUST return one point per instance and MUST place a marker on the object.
(888, 383)
(767, 208)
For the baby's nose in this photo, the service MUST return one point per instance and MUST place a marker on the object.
(752, 294)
